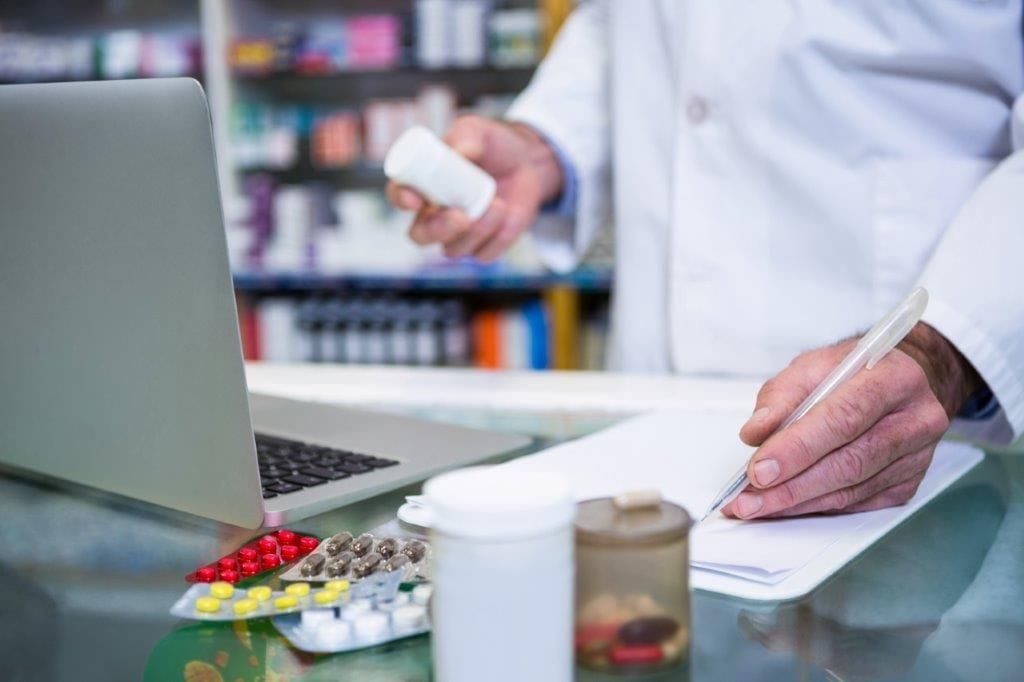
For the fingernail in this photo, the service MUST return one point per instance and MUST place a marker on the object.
(748, 504)
(766, 471)
(760, 414)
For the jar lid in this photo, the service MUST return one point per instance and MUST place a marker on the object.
(602, 521)
(498, 503)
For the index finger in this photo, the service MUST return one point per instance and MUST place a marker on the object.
(403, 197)
(842, 417)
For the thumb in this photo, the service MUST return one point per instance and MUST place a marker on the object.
(783, 393)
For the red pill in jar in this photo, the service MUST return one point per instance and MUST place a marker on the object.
(227, 563)
(267, 544)
(229, 576)
(206, 574)
(249, 567)
(600, 635)
(308, 543)
(269, 561)
(248, 554)
(289, 552)
(286, 537)
(646, 654)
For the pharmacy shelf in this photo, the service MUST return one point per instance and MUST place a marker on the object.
(468, 278)
(395, 82)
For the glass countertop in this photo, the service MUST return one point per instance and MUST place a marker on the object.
(86, 584)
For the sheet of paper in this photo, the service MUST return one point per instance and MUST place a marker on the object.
(689, 455)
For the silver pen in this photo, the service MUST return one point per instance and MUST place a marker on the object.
(882, 338)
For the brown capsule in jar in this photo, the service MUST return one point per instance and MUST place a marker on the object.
(313, 564)
(338, 543)
(362, 544)
(415, 550)
(648, 630)
(387, 548)
(367, 565)
(397, 562)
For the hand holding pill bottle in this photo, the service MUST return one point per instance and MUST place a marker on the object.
(476, 191)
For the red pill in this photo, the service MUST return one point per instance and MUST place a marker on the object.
(286, 537)
(248, 554)
(289, 552)
(267, 544)
(599, 635)
(644, 654)
(227, 563)
(308, 543)
(250, 567)
(229, 576)
(206, 574)
(269, 561)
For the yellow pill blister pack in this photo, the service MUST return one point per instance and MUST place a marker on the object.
(223, 601)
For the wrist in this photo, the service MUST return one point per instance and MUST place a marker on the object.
(951, 376)
(542, 160)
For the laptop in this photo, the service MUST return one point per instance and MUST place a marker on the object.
(120, 361)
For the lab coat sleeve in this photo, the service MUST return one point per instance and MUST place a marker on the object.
(567, 103)
(976, 287)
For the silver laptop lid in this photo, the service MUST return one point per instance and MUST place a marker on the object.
(120, 361)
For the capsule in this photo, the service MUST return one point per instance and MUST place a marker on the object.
(339, 542)
(313, 564)
(415, 550)
(387, 548)
(362, 544)
(340, 565)
(648, 630)
(396, 563)
(367, 565)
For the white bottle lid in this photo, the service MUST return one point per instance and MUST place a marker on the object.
(497, 503)
(419, 159)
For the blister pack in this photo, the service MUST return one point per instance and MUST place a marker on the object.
(358, 624)
(223, 601)
(356, 558)
(261, 555)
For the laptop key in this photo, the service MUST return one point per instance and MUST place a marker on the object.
(358, 459)
(325, 473)
(281, 487)
(380, 463)
(352, 468)
(267, 494)
(304, 480)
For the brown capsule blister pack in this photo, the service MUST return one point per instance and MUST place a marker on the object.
(350, 557)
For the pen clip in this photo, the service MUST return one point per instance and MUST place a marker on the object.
(891, 329)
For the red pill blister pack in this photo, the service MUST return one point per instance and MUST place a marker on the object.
(266, 553)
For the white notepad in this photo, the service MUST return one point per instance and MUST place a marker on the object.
(688, 455)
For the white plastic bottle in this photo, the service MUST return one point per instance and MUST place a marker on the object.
(502, 568)
(419, 159)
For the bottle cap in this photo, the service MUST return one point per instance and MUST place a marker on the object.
(496, 503)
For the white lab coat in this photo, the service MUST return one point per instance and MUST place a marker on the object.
(781, 172)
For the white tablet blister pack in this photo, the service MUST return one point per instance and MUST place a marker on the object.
(359, 623)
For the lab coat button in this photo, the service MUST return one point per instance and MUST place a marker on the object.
(696, 110)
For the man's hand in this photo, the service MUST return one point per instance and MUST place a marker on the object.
(527, 173)
(866, 446)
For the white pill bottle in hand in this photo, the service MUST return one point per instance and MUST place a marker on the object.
(503, 575)
(419, 159)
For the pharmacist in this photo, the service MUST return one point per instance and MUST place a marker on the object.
(779, 174)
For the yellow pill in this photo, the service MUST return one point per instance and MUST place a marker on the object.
(259, 593)
(244, 606)
(288, 601)
(221, 590)
(325, 597)
(337, 585)
(297, 589)
(208, 604)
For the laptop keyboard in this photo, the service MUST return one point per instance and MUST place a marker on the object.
(287, 466)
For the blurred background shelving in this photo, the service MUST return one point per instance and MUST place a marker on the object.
(306, 97)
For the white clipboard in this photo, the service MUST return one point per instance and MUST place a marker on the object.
(688, 453)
